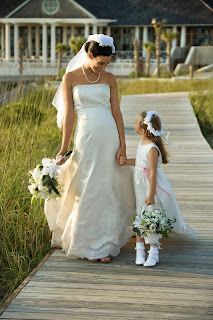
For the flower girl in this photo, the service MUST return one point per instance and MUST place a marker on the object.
(158, 212)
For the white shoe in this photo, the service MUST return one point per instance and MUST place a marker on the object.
(140, 256)
(153, 257)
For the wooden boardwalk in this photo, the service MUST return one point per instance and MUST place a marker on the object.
(180, 286)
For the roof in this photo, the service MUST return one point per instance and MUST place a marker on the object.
(33, 9)
(126, 12)
(141, 12)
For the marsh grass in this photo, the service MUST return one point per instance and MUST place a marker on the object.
(203, 109)
(156, 86)
(28, 133)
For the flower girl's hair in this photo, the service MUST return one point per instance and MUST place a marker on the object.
(156, 125)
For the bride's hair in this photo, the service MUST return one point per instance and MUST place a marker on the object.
(97, 49)
(156, 124)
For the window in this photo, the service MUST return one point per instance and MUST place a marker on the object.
(50, 7)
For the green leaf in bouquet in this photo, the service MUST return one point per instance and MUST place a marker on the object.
(46, 180)
(32, 200)
(54, 182)
(68, 153)
(56, 191)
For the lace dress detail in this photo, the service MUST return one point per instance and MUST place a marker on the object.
(93, 217)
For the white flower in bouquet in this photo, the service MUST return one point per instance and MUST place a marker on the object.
(152, 228)
(37, 176)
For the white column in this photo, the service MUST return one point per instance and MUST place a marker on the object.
(2, 42)
(109, 30)
(174, 41)
(86, 31)
(183, 37)
(37, 41)
(137, 33)
(95, 28)
(145, 39)
(29, 41)
(44, 44)
(15, 42)
(7, 42)
(64, 35)
(53, 43)
(100, 29)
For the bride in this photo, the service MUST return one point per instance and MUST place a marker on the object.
(92, 219)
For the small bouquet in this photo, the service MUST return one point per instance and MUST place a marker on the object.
(44, 179)
(152, 222)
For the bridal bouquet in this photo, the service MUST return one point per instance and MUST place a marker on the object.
(44, 179)
(152, 221)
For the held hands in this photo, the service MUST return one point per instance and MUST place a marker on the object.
(121, 153)
(150, 200)
(122, 161)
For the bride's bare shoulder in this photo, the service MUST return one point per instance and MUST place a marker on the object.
(110, 78)
(70, 77)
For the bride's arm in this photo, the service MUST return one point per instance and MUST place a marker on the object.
(116, 112)
(69, 114)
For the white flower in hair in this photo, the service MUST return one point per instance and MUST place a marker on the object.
(148, 122)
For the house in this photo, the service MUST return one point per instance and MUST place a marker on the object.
(43, 23)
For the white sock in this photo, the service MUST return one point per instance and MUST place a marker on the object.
(140, 245)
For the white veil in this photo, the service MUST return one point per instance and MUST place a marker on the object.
(77, 61)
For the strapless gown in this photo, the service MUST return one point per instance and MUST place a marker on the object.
(93, 217)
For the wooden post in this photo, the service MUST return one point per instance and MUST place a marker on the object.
(191, 71)
(20, 55)
(135, 43)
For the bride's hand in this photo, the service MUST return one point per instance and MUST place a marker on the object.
(121, 153)
(60, 160)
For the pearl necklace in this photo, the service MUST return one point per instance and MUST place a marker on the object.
(88, 79)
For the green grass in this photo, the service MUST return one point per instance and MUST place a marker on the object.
(156, 86)
(203, 109)
(28, 133)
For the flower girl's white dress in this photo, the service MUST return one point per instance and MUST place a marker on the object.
(93, 217)
(164, 195)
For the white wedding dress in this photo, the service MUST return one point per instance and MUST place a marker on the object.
(93, 217)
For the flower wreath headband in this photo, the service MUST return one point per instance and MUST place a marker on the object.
(78, 61)
(157, 133)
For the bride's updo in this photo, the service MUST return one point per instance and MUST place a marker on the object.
(97, 50)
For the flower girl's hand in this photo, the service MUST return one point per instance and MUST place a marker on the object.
(150, 200)
(122, 161)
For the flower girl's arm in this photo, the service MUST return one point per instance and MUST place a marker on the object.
(129, 162)
(69, 116)
(153, 163)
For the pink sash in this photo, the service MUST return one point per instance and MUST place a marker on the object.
(147, 173)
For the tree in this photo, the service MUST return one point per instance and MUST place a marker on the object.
(20, 55)
(158, 26)
(150, 48)
(76, 43)
(167, 36)
(60, 49)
